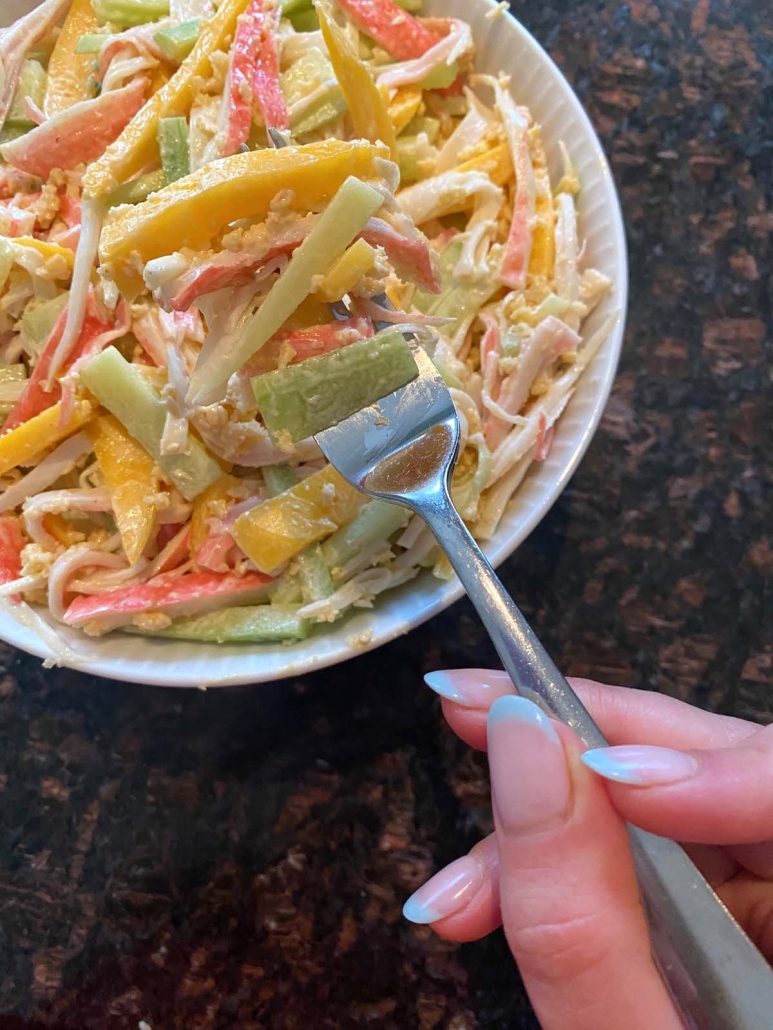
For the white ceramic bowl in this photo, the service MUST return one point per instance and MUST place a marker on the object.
(503, 45)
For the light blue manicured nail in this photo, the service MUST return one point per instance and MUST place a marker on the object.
(519, 709)
(641, 765)
(415, 912)
(442, 684)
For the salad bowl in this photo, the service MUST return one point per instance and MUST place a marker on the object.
(503, 45)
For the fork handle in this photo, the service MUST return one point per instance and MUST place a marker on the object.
(717, 978)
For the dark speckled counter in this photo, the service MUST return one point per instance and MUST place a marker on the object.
(238, 859)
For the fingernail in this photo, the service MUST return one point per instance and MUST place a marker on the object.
(529, 777)
(641, 765)
(447, 892)
(472, 688)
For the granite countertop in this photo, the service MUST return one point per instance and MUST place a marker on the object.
(239, 858)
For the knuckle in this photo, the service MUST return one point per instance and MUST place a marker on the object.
(560, 951)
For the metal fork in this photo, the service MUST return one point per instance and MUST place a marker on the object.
(403, 450)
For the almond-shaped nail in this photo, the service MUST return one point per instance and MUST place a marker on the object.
(641, 765)
(446, 893)
(471, 688)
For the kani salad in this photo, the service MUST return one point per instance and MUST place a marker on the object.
(183, 304)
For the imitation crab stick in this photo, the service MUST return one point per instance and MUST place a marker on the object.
(11, 545)
(392, 28)
(191, 211)
(254, 72)
(192, 593)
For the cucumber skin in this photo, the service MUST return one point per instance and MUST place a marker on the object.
(261, 624)
(303, 399)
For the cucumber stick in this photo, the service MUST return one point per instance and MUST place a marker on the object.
(378, 520)
(174, 150)
(32, 85)
(91, 43)
(177, 42)
(126, 13)
(120, 388)
(260, 624)
(303, 399)
(40, 318)
(136, 190)
(345, 216)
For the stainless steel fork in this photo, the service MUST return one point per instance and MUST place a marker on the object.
(403, 450)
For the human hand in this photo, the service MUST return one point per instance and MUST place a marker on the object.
(557, 873)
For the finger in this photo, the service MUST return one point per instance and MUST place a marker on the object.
(462, 900)
(623, 714)
(751, 902)
(568, 894)
(715, 796)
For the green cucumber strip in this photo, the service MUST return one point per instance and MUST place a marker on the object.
(331, 106)
(306, 20)
(9, 133)
(441, 77)
(32, 84)
(91, 43)
(314, 575)
(130, 12)
(39, 319)
(378, 520)
(345, 216)
(303, 399)
(410, 151)
(290, 7)
(457, 299)
(136, 190)
(173, 147)
(177, 42)
(429, 126)
(279, 478)
(260, 624)
(6, 261)
(120, 388)
(409, 5)
(286, 591)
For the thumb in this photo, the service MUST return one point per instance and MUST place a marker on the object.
(712, 796)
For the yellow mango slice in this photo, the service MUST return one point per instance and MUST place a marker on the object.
(209, 503)
(543, 250)
(60, 529)
(274, 532)
(47, 250)
(137, 145)
(404, 106)
(495, 162)
(129, 476)
(353, 264)
(40, 433)
(193, 210)
(365, 101)
(70, 75)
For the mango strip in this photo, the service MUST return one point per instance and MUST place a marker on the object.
(366, 105)
(193, 210)
(274, 532)
(40, 433)
(137, 144)
(129, 476)
(70, 75)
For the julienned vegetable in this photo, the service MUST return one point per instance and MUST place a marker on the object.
(192, 211)
(183, 305)
(301, 400)
(346, 215)
(121, 389)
